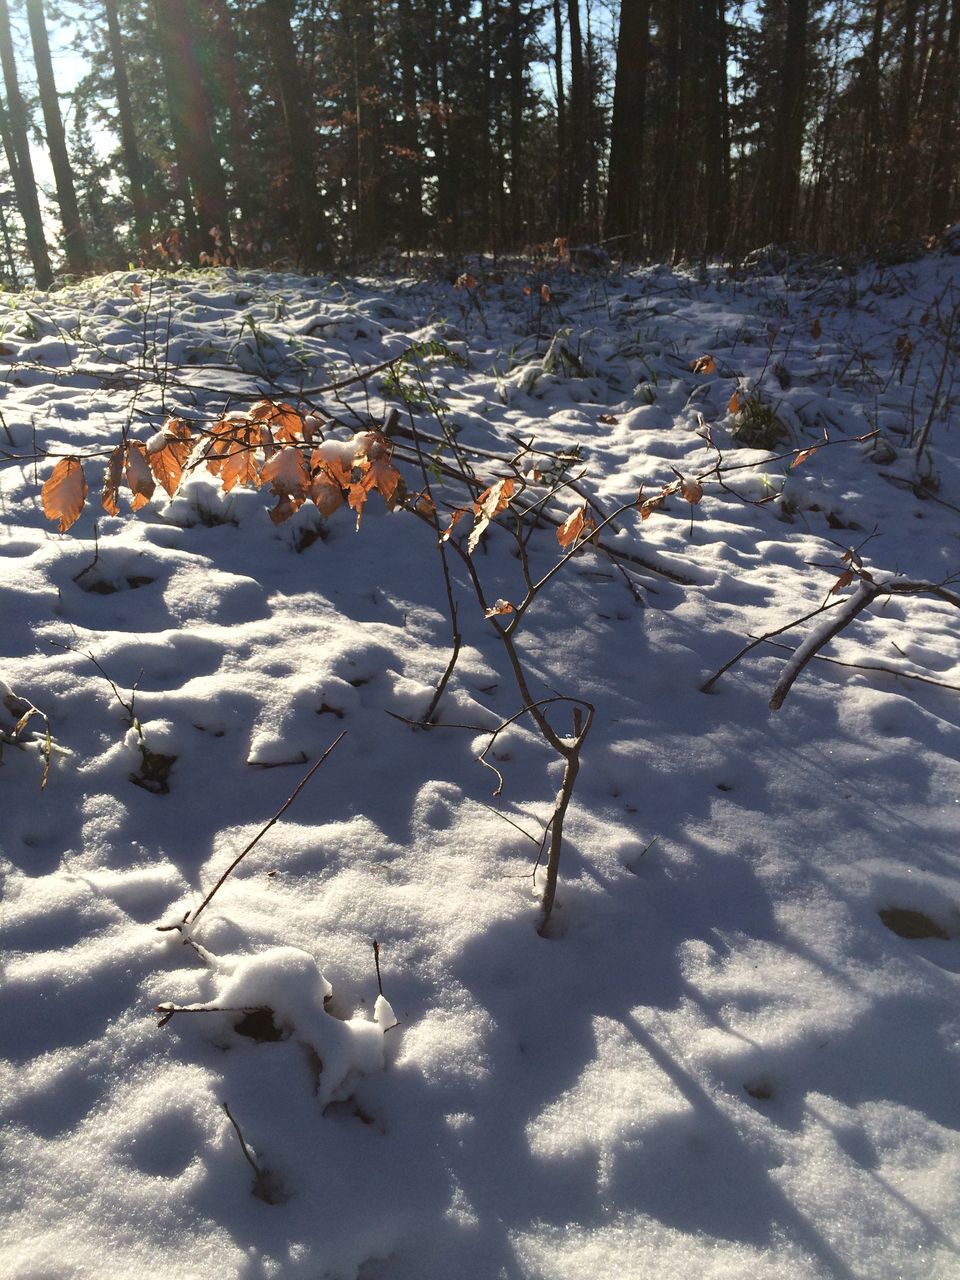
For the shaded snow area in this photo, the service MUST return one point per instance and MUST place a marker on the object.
(734, 1050)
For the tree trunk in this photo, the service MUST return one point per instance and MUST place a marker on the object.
(574, 161)
(74, 239)
(516, 65)
(622, 221)
(25, 184)
(190, 112)
(128, 132)
(312, 247)
(945, 162)
(787, 155)
(872, 142)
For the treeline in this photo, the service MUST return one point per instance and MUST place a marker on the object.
(329, 130)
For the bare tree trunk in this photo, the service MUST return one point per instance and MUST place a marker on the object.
(787, 155)
(74, 238)
(312, 248)
(25, 183)
(872, 142)
(627, 128)
(516, 64)
(128, 132)
(945, 163)
(190, 115)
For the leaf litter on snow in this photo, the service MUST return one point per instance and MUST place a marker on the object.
(739, 1047)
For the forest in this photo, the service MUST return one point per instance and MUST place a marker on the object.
(314, 132)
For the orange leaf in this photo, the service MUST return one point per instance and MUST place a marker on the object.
(167, 456)
(574, 526)
(802, 456)
(356, 498)
(546, 294)
(454, 521)
(289, 478)
(286, 422)
(326, 493)
(692, 490)
(843, 581)
(736, 401)
(337, 471)
(383, 476)
(491, 502)
(704, 364)
(64, 493)
(136, 290)
(239, 466)
(139, 478)
(608, 419)
(110, 496)
(497, 608)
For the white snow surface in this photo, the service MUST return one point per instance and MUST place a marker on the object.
(720, 1060)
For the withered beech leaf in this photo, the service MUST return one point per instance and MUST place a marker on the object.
(64, 493)
(289, 478)
(239, 463)
(286, 422)
(498, 607)
(490, 503)
(110, 495)
(704, 364)
(691, 490)
(577, 525)
(326, 493)
(736, 401)
(843, 581)
(455, 519)
(167, 460)
(139, 476)
(802, 456)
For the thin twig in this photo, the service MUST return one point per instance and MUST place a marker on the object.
(191, 919)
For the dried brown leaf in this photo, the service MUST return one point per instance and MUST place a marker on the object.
(139, 476)
(579, 524)
(64, 493)
(110, 495)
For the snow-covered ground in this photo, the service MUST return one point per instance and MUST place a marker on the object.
(723, 1058)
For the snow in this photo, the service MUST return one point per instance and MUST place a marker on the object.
(720, 1060)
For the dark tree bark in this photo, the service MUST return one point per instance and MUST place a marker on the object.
(575, 159)
(902, 151)
(190, 109)
(516, 65)
(790, 119)
(128, 132)
(21, 169)
(74, 238)
(628, 127)
(561, 105)
(411, 199)
(945, 176)
(312, 247)
(872, 141)
(715, 129)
